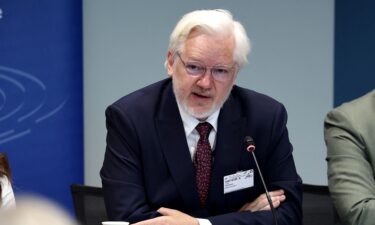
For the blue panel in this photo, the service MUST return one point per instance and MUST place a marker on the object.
(354, 49)
(41, 100)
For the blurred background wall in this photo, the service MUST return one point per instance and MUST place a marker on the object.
(125, 45)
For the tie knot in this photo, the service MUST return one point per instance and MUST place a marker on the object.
(204, 129)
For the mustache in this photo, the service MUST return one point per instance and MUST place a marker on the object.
(202, 92)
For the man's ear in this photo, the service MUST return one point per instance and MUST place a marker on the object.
(170, 61)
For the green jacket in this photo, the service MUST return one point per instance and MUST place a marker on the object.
(349, 132)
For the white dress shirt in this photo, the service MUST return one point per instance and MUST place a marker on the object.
(192, 137)
(7, 196)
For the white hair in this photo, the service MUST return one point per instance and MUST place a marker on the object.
(218, 22)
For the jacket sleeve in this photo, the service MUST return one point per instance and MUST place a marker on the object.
(121, 172)
(350, 173)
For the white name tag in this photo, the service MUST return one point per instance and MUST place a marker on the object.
(238, 181)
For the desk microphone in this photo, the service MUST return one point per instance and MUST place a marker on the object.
(250, 147)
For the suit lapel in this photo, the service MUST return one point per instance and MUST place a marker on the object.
(229, 147)
(174, 145)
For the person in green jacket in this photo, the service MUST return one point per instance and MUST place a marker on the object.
(349, 132)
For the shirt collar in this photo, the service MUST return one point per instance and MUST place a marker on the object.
(191, 122)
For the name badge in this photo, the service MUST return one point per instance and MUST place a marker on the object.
(238, 181)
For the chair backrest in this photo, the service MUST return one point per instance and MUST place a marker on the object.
(317, 205)
(88, 204)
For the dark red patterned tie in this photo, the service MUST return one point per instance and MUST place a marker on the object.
(203, 161)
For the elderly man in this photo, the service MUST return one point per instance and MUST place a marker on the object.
(175, 151)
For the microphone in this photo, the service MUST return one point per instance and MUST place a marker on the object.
(250, 147)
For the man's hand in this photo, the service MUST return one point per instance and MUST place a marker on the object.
(261, 203)
(170, 217)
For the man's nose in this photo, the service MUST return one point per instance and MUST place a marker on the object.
(205, 81)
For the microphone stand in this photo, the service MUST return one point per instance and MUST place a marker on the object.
(265, 188)
(250, 147)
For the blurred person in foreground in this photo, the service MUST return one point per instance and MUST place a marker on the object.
(349, 132)
(7, 199)
(175, 149)
(32, 210)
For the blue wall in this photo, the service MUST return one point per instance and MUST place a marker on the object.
(354, 49)
(41, 102)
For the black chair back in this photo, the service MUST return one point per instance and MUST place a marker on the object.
(317, 205)
(88, 204)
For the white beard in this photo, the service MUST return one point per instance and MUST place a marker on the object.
(200, 115)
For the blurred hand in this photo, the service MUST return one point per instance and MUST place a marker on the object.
(170, 217)
(261, 203)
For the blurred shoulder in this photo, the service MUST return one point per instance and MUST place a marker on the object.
(359, 109)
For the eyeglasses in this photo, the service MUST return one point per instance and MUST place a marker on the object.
(219, 73)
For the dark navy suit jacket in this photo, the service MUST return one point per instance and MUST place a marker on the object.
(147, 162)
